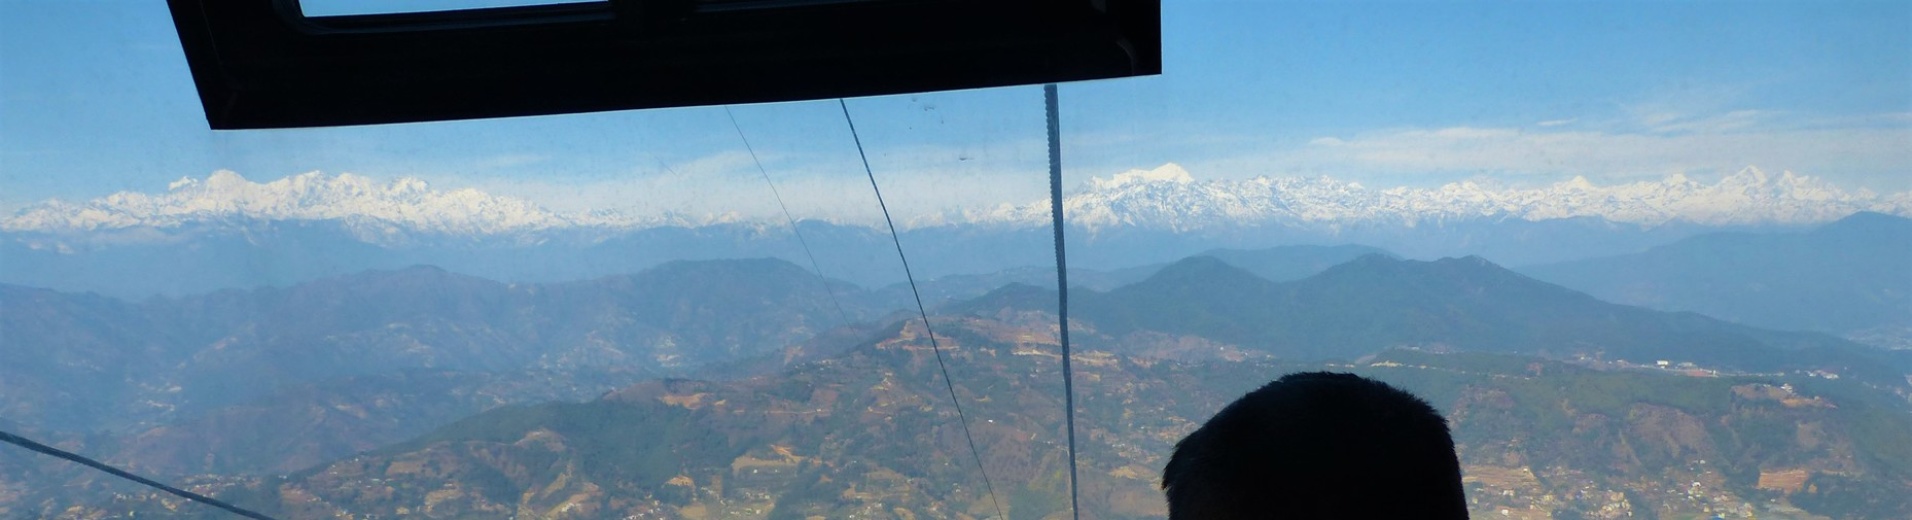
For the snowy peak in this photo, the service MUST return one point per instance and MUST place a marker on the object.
(1166, 173)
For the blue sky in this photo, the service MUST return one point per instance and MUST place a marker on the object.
(95, 98)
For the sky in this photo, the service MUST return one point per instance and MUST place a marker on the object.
(95, 98)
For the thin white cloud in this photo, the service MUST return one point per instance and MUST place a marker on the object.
(1877, 155)
(1733, 121)
(731, 163)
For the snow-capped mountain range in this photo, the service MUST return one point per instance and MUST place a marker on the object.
(377, 213)
(408, 203)
(1164, 198)
(1168, 197)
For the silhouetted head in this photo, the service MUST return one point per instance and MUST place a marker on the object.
(1318, 445)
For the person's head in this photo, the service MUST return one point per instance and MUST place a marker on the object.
(1318, 445)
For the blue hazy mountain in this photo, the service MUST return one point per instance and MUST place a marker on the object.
(244, 254)
(1281, 264)
(87, 362)
(1377, 302)
(1851, 275)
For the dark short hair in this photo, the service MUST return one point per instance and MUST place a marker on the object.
(1318, 445)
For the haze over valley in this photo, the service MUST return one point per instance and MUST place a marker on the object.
(319, 346)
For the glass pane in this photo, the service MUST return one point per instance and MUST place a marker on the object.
(1646, 260)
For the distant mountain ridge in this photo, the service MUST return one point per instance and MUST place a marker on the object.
(1286, 263)
(139, 263)
(1377, 302)
(1280, 263)
(226, 232)
(87, 362)
(1166, 197)
(1845, 277)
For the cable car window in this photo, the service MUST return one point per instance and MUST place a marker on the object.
(1643, 259)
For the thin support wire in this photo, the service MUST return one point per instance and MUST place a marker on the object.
(948, 383)
(82, 460)
(787, 218)
(1062, 283)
